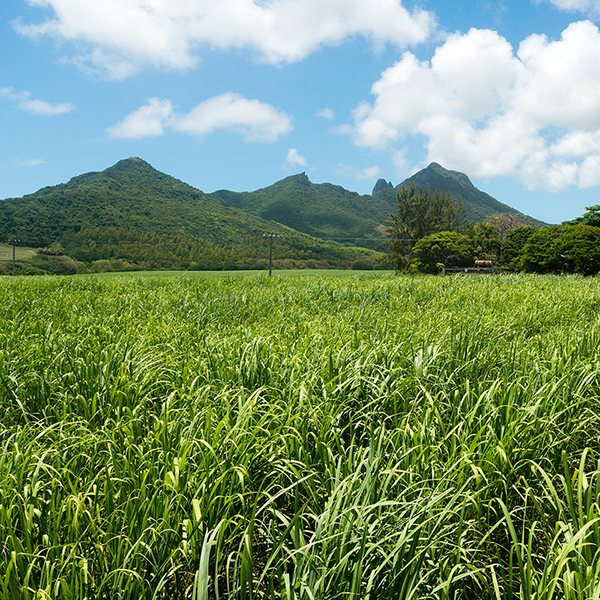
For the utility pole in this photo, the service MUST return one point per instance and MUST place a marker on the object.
(14, 242)
(270, 236)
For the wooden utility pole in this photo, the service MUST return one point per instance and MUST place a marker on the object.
(270, 236)
(14, 242)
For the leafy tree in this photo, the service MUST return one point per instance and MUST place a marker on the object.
(446, 248)
(420, 214)
(590, 217)
(563, 249)
(541, 252)
(513, 244)
(581, 249)
(486, 241)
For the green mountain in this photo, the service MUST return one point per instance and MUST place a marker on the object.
(131, 212)
(477, 204)
(332, 212)
(135, 213)
(323, 210)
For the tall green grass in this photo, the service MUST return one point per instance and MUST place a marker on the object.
(304, 438)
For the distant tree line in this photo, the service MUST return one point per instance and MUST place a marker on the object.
(428, 233)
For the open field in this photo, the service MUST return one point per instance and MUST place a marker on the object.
(309, 436)
(6, 252)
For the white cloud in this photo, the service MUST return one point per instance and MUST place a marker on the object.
(25, 103)
(29, 163)
(147, 121)
(532, 114)
(295, 159)
(325, 113)
(586, 6)
(256, 121)
(125, 35)
(399, 161)
(367, 173)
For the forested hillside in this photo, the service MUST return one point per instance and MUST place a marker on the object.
(135, 213)
(477, 204)
(323, 210)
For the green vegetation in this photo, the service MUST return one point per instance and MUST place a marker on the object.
(513, 244)
(6, 253)
(131, 216)
(564, 249)
(351, 436)
(590, 217)
(419, 214)
(446, 248)
(322, 210)
(477, 204)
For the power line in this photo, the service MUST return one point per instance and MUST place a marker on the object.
(363, 239)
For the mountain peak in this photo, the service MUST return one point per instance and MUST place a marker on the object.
(381, 184)
(478, 204)
(132, 162)
(299, 178)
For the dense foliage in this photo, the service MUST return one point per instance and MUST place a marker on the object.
(563, 249)
(322, 210)
(348, 437)
(513, 244)
(446, 248)
(590, 217)
(419, 214)
(486, 241)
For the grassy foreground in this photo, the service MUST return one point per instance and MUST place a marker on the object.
(364, 436)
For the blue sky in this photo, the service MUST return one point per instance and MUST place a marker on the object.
(238, 94)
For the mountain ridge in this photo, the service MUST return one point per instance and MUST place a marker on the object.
(477, 204)
(132, 211)
(135, 212)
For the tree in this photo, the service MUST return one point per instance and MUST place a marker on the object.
(486, 241)
(446, 248)
(420, 214)
(563, 249)
(506, 222)
(590, 217)
(513, 244)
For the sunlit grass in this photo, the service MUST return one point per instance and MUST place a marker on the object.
(306, 436)
(21, 253)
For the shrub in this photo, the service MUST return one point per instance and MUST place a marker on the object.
(363, 265)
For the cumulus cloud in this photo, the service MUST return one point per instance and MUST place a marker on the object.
(147, 121)
(255, 121)
(587, 6)
(532, 114)
(34, 106)
(125, 35)
(325, 113)
(295, 159)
